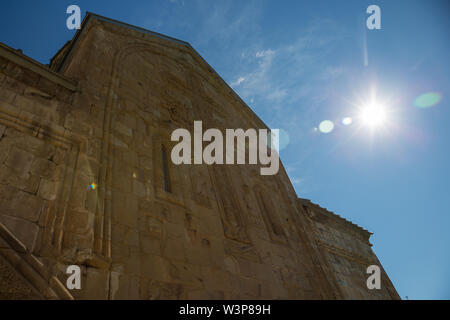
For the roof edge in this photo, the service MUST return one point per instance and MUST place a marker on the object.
(90, 15)
(43, 70)
(308, 202)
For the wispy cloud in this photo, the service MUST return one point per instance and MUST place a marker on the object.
(236, 83)
(224, 22)
(264, 53)
(293, 74)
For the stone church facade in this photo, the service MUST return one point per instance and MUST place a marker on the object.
(86, 179)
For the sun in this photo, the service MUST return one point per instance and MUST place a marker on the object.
(373, 115)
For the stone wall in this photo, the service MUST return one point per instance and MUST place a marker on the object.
(83, 182)
(347, 253)
(35, 154)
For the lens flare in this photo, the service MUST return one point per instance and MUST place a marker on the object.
(427, 100)
(93, 186)
(326, 126)
(347, 121)
(284, 139)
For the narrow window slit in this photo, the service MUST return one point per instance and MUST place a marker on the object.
(165, 168)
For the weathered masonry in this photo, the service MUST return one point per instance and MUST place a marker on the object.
(86, 179)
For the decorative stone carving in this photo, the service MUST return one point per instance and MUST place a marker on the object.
(233, 224)
(270, 216)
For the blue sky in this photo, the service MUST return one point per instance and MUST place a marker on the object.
(298, 63)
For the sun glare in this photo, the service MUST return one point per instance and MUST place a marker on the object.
(373, 115)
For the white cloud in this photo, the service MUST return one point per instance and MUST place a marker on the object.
(237, 82)
(277, 94)
(264, 53)
(291, 74)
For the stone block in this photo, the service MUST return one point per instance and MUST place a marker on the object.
(7, 95)
(149, 244)
(24, 230)
(96, 284)
(160, 290)
(43, 168)
(19, 160)
(47, 189)
(156, 268)
(28, 182)
(174, 249)
(79, 221)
